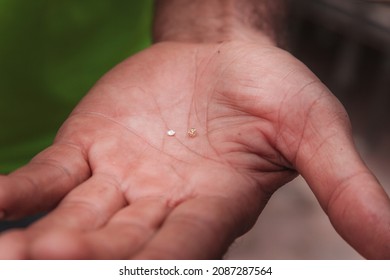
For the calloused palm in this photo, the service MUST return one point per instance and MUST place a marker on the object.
(122, 188)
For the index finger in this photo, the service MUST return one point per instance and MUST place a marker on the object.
(39, 185)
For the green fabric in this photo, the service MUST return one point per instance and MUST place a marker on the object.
(51, 53)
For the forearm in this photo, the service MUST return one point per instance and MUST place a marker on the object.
(218, 20)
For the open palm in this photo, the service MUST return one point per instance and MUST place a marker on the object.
(121, 187)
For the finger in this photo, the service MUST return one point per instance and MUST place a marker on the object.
(355, 202)
(13, 245)
(120, 238)
(201, 228)
(42, 183)
(87, 207)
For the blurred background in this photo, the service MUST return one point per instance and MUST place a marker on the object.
(52, 52)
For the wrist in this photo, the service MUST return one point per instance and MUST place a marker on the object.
(211, 21)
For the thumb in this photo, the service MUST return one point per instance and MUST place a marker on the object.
(357, 205)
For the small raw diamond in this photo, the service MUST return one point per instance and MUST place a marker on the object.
(192, 132)
(171, 132)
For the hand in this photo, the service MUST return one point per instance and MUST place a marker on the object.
(122, 188)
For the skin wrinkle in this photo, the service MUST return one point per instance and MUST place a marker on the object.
(287, 95)
(243, 113)
(158, 108)
(185, 193)
(138, 238)
(93, 210)
(262, 168)
(111, 180)
(145, 93)
(169, 202)
(259, 155)
(222, 73)
(232, 107)
(234, 59)
(189, 195)
(198, 154)
(112, 120)
(283, 168)
(193, 220)
(323, 140)
(236, 98)
(162, 117)
(213, 91)
(144, 140)
(142, 230)
(341, 188)
(192, 103)
(151, 224)
(293, 159)
(197, 78)
(177, 173)
(52, 163)
(215, 54)
(79, 148)
(222, 160)
(152, 232)
(215, 150)
(56, 164)
(314, 154)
